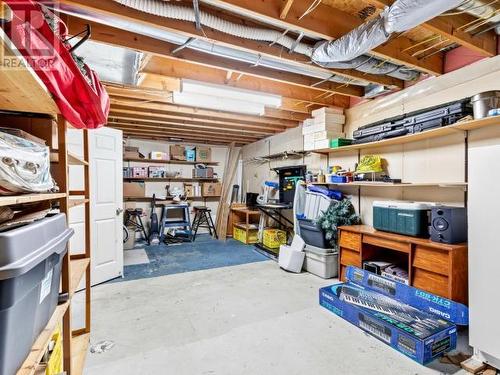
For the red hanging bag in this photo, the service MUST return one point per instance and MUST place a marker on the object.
(41, 37)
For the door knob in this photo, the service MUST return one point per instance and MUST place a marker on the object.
(119, 211)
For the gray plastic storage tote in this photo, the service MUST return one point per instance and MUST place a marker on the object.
(30, 269)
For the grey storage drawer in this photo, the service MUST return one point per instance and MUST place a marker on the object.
(30, 269)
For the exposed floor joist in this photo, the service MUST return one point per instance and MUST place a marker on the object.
(449, 27)
(330, 23)
(268, 80)
(114, 11)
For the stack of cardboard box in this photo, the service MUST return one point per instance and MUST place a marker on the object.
(326, 125)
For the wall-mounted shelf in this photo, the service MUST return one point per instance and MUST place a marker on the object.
(163, 199)
(29, 198)
(166, 162)
(429, 134)
(172, 179)
(454, 185)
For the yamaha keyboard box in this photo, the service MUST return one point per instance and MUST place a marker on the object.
(420, 335)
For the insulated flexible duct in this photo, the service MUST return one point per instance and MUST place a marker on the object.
(364, 64)
(401, 16)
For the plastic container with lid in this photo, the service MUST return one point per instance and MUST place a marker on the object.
(30, 272)
(408, 218)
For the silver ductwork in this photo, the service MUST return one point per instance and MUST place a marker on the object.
(364, 64)
(482, 9)
(401, 16)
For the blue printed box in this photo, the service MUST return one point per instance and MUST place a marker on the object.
(420, 299)
(417, 334)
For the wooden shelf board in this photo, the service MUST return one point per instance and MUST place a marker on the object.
(75, 159)
(173, 179)
(79, 348)
(22, 90)
(247, 226)
(29, 198)
(77, 202)
(458, 185)
(31, 364)
(429, 134)
(160, 199)
(78, 268)
(179, 162)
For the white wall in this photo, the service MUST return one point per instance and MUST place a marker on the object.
(435, 160)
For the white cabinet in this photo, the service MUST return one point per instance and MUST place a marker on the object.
(484, 245)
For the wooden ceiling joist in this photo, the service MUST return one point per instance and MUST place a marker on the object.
(182, 132)
(210, 128)
(149, 117)
(185, 137)
(173, 109)
(449, 27)
(201, 64)
(113, 10)
(329, 23)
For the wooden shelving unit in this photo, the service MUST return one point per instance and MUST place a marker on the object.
(162, 199)
(451, 185)
(24, 93)
(434, 133)
(167, 162)
(172, 179)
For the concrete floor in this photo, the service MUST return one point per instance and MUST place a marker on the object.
(248, 319)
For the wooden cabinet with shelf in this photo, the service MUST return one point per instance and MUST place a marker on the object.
(26, 104)
(438, 268)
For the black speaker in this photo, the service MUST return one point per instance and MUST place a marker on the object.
(449, 224)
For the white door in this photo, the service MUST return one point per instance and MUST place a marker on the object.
(106, 185)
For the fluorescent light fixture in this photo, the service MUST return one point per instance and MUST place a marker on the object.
(247, 96)
(219, 103)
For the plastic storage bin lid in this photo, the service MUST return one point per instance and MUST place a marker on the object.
(25, 247)
(405, 205)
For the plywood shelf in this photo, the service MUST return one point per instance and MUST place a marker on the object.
(429, 134)
(455, 185)
(76, 160)
(22, 90)
(31, 364)
(165, 162)
(79, 348)
(161, 199)
(78, 268)
(77, 202)
(29, 198)
(172, 179)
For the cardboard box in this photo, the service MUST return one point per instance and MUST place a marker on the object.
(158, 155)
(203, 172)
(203, 154)
(319, 136)
(134, 189)
(177, 152)
(157, 172)
(139, 172)
(425, 301)
(327, 110)
(211, 189)
(335, 128)
(189, 190)
(327, 143)
(190, 154)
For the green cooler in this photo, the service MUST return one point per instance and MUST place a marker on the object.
(408, 218)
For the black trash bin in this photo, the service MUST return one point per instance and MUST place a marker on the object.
(30, 270)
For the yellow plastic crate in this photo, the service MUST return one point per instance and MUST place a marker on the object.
(55, 362)
(240, 234)
(274, 238)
